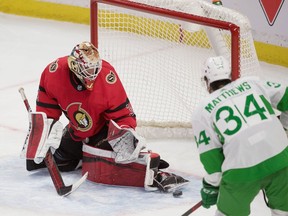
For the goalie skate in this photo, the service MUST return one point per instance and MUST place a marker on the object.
(169, 182)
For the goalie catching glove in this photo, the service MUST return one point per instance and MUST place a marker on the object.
(125, 142)
(43, 134)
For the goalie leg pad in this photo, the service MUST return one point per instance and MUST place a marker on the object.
(37, 135)
(102, 168)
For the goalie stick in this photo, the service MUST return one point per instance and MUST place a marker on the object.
(192, 209)
(54, 172)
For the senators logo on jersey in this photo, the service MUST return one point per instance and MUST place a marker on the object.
(53, 66)
(81, 120)
(111, 78)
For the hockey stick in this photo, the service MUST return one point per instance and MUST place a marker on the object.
(194, 208)
(57, 179)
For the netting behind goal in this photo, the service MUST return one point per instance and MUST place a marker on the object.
(158, 48)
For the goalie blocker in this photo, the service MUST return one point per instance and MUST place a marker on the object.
(43, 134)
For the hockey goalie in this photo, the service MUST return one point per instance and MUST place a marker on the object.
(100, 136)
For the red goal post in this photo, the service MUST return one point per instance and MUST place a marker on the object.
(234, 29)
(177, 27)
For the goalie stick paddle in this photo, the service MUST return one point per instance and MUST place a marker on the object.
(192, 209)
(54, 172)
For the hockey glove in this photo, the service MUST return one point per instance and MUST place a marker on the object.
(125, 142)
(209, 194)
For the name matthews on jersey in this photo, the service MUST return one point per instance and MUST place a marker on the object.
(226, 94)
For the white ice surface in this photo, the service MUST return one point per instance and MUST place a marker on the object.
(27, 45)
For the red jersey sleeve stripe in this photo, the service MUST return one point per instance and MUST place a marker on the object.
(120, 107)
(47, 105)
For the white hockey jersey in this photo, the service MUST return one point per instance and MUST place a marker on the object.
(238, 134)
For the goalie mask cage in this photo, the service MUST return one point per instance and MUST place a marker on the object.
(158, 48)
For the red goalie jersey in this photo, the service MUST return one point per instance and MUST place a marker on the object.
(87, 110)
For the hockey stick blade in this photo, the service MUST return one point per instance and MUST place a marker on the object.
(66, 190)
(192, 209)
(57, 179)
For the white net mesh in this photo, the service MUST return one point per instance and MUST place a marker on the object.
(159, 59)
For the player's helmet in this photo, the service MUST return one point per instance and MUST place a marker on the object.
(216, 68)
(85, 63)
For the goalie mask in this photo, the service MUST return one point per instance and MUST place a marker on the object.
(85, 63)
(216, 68)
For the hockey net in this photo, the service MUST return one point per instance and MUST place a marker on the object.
(158, 48)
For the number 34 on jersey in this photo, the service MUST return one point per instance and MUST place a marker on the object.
(236, 115)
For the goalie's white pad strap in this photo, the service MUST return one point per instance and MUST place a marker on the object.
(98, 152)
(41, 136)
(149, 177)
(125, 142)
(110, 154)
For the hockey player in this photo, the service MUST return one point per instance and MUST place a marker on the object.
(242, 144)
(101, 129)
